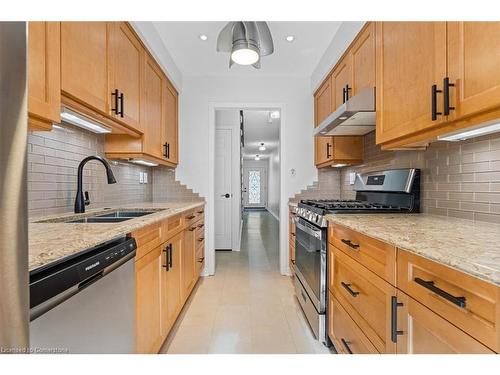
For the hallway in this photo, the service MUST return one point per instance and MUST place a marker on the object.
(247, 307)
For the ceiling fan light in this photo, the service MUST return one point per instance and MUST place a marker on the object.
(244, 54)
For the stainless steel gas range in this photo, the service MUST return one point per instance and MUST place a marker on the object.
(390, 191)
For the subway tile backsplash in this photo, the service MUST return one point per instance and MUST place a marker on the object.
(459, 179)
(53, 159)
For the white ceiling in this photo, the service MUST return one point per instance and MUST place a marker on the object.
(197, 58)
(257, 130)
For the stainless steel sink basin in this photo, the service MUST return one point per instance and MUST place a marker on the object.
(111, 216)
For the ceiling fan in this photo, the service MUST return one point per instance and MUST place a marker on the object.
(246, 41)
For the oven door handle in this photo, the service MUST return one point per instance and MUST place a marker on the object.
(310, 231)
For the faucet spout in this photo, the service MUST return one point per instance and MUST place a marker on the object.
(80, 201)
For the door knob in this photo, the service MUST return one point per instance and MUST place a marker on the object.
(227, 195)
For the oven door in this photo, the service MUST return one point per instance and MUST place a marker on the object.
(310, 261)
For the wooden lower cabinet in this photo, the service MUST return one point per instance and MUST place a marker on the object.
(171, 283)
(188, 275)
(148, 337)
(425, 332)
(344, 333)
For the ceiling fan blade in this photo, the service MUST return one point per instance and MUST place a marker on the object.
(266, 44)
(225, 38)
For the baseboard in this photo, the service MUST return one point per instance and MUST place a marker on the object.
(274, 214)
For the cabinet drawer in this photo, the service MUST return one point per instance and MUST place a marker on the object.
(375, 255)
(200, 259)
(469, 303)
(366, 298)
(171, 227)
(147, 238)
(190, 217)
(424, 332)
(345, 334)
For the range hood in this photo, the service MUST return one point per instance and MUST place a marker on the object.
(355, 117)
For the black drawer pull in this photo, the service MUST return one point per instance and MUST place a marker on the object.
(346, 346)
(348, 288)
(200, 212)
(201, 225)
(201, 239)
(190, 217)
(200, 260)
(459, 301)
(192, 229)
(394, 319)
(434, 112)
(350, 244)
(446, 96)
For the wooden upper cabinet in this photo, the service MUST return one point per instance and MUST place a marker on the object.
(84, 63)
(473, 67)
(411, 58)
(341, 83)
(44, 82)
(171, 123)
(322, 108)
(125, 54)
(152, 117)
(362, 60)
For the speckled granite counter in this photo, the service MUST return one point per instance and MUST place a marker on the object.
(470, 247)
(50, 241)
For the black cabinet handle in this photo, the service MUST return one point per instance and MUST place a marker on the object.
(200, 212)
(350, 244)
(200, 260)
(165, 153)
(328, 147)
(394, 319)
(114, 94)
(192, 229)
(346, 346)
(201, 225)
(434, 92)
(190, 217)
(122, 110)
(166, 265)
(343, 95)
(347, 88)
(201, 239)
(349, 289)
(459, 301)
(446, 96)
(170, 257)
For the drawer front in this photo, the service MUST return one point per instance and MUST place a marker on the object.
(200, 259)
(171, 227)
(377, 256)
(424, 332)
(467, 302)
(190, 217)
(147, 239)
(366, 298)
(344, 333)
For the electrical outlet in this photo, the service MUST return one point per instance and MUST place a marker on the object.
(352, 178)
(145, 177)
(141, 177)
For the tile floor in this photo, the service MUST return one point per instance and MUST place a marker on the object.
(247, 307)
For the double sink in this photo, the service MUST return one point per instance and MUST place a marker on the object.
(115, 216)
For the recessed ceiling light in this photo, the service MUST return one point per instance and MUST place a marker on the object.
(257, 157)
(262, 147)
(203, 37)
(290, 38)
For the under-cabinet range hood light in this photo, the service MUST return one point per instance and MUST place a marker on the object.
(75, 118)
(143, 162)
(339, 165)
(482, 129)
(355, 117)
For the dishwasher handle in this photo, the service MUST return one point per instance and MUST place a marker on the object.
(90, 280)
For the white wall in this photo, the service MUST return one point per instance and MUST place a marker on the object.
(201, 94)
(273, 186)
(342, 39)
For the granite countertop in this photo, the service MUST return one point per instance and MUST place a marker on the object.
(467, 246)
(52, 240)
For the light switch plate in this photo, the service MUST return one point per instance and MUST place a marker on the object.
(352, 178)
(141, 177)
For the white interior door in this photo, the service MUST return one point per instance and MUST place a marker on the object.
(223, 188)
(254, 187)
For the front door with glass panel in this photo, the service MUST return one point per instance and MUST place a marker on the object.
(254, 187)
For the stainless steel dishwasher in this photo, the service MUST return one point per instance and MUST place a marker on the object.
(85, 303)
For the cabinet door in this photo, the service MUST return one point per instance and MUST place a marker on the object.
(188, 261)
(362, 58)
(424, 332)
(341, 83)
(148, 297)
(411, 57)
(84, 69)
(152, 116)
(125, 61)
(170, 128)
(173, 280)
(474, 67)
(44, 65)
(322, 108)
